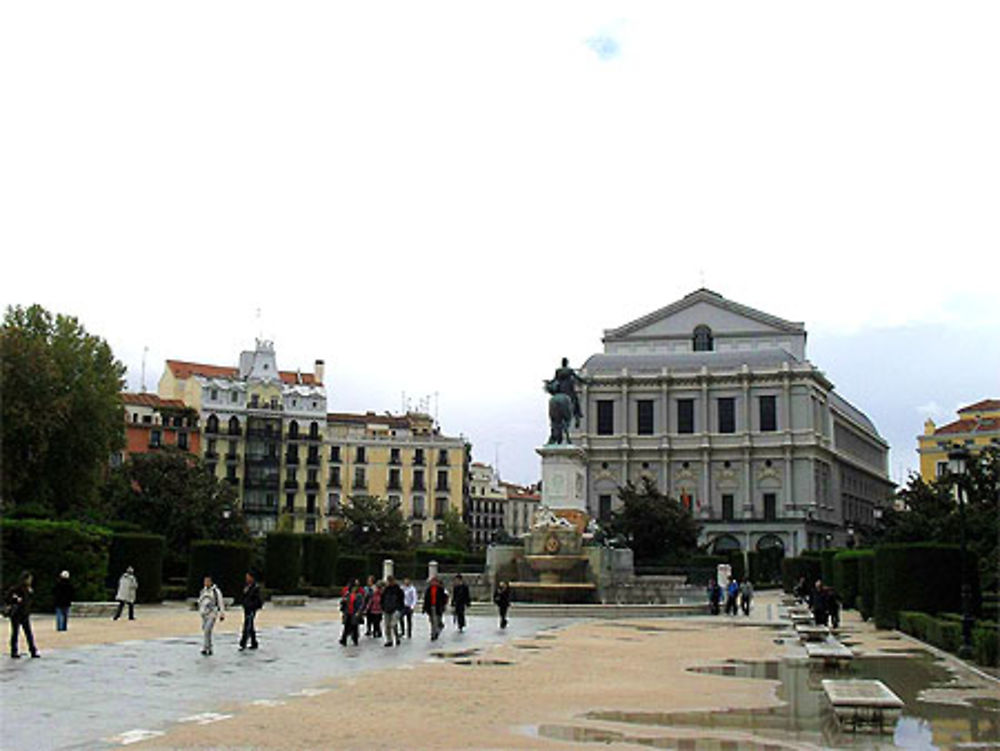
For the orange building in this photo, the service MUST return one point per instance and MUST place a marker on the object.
(152, 423)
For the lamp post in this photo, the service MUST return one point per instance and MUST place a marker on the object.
(958, 458)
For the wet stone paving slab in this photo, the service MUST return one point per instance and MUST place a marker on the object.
(112, 695)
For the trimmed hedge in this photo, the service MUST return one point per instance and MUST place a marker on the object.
(441, 555)
(319, 559)
(226, 562)
(144, 553)
(826, 559)
(922, 577)
(986, 644)
(404, 563)
(845, 576)
(795, 568)
(866, 584)
(765, 565)
(45, 548)
(945, 632)
(349, 568)
(284, 561)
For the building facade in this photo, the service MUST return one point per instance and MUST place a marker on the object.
(519, 511)
(402, 458)
(977, 426)
(263, 432)
(717, 403)
(153, 423)
(485, 511)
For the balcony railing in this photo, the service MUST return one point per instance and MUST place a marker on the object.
(418, 516)
(263, 433)
(359, 485)
(261, 483)
(232, 456)
(442, 488)
(291, 484)
(313, 460)
(394, 486)
(291, 458)
(312, 485)
(333, 482)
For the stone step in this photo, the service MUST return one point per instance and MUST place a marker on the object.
(94, 609)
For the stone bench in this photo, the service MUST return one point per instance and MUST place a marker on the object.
(830, 652)
(863, 704)
(93, 609)
(808, 632)
(288, 601)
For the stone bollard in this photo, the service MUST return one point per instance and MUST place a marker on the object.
(388, 569)
(432, 570)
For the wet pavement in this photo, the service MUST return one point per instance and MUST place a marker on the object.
(104, 696)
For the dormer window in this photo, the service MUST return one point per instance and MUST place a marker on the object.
(702, 339)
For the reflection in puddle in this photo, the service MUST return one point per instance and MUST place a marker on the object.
(807, 717)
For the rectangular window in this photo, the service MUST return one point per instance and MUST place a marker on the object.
(442, 480)
(644, 416)
(289, 502)
(334, 477)
(418, 507)
(311, 476)
(333, 503)
(770, 507)
(605, 417)
(942, 469)
(359, 478)
(335, 454)
(393, 456)
(359, 455)
(310, 504)
(604, 507)
(154, 439)
(727, 507)
(768, 414)
(394, 479)
(440, 506)
(182, 441)
(727, 414)
(685, 415)
(234, 396)
(418, 456)
(443, 456)
(418, 479)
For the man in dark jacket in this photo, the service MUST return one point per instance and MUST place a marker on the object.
(19, 603)
(392, 609)
(252, 602)
(435, 602)
(460, 600)
(62, 598)
(502, 600)
(352, 605)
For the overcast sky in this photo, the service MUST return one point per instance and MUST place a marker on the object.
(448, 197)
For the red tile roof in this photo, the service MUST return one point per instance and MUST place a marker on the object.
(150, 400)
(970, 425)
(986, 405)
(182, 370)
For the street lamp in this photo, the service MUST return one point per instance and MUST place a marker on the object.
(958, 459)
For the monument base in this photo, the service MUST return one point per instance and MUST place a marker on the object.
(564, 481)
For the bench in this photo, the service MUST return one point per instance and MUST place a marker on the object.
(808, 632)
(863, 704)
(830, 652)
(288, 601)
(93, 609)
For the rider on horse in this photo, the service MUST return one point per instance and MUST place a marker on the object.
(565, 382)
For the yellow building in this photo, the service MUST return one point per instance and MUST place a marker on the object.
(401, 458)
(977, 426)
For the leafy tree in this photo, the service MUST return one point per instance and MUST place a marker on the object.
(171, 493)
(454, 532)
(372, 524)
(61, 412)
(654, 525)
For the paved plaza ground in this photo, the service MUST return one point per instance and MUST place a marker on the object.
(542, 684)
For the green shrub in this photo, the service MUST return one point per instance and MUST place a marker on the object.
(986, 644)
(226, 562)
(811, 554)
(404, 563)
(173, 592)
(319, 559)
(866, 583)
(443, 556)
(826, 565)
(845, 575)
(349, 568)
(45, 548)
(765, 565)
(946, 635)
(144, 553)
(284, 561)
(918, 576)
(795, 568)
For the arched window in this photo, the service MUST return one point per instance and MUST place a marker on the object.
(212, 424)
(724, 544)
(293, 429)
(234, 426)
(769, 542)
(702, 338)
(314, 429)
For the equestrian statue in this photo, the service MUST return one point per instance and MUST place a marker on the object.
(564, 404)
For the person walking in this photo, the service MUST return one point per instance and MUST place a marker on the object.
(369, 592)
(252, 602)
(819, 604)
(501, 598)
(62, 598)
(732, 591)
(460, 600)
(746, 596)
(392, 609)
(409, 605)
(374, 607)
(714, 595)
(212, 607)
(352, 606)
(128, 588)
(18, 608)
(435, 602)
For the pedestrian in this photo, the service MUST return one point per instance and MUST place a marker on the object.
(62, 597)
(128, 587)
(732, 592)
(212, 607)
(460, 600)
(352, 606)
(252, 602)
(833, 606)
(369, 591)
(746, 596)
(373, 606)
(800, 590)
(819, 604)
(409, 605)
(435, 602)
(501, 598)
(392, 610)
(18, 609)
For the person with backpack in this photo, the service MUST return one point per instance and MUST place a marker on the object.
(460, 600)
(435, 603)
(252, 602)
(17, 607)
(501, 598)
(211, 607)
(62, 599)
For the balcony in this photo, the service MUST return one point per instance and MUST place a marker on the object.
(232, 456)
(312, 485)
(418, 461)
(417, 516)
(261, 483)
(359, 485)
(442, 488)
(419, 486)
(291, 485)
(334, 481)
(270, 433)
(291, 458)
(259, 460)
(312, 460)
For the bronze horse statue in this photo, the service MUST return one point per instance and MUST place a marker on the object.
(560, 413)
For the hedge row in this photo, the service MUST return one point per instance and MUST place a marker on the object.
(866, 584)
(45, 548)
(922, 577)
(284, 561)
(802, 567)
(945, 632)
(845, 575)
(826, 564)
(144, 553)
(319, 560)
(226, 562)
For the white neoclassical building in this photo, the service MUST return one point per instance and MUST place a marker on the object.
(717, 403)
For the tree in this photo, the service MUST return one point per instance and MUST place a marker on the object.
(454, 532)
(655, 526)
(61, 412)
(372, 524)
(171, 493)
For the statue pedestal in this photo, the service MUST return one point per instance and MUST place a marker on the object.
(564, 480)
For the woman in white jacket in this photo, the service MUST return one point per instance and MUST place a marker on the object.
(128, 588)
(211, 607)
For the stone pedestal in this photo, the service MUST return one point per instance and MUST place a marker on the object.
(388, 568)
(564, 477)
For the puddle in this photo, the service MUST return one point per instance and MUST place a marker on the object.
(806, 716)
(444, 654)
(483, 662)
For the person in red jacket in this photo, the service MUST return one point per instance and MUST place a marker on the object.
(435, 602)
(352, 606)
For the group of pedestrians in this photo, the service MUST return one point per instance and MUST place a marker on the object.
(17, 607)
(737, 596)
(823, 601)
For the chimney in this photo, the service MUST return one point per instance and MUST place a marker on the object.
(318, 369)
